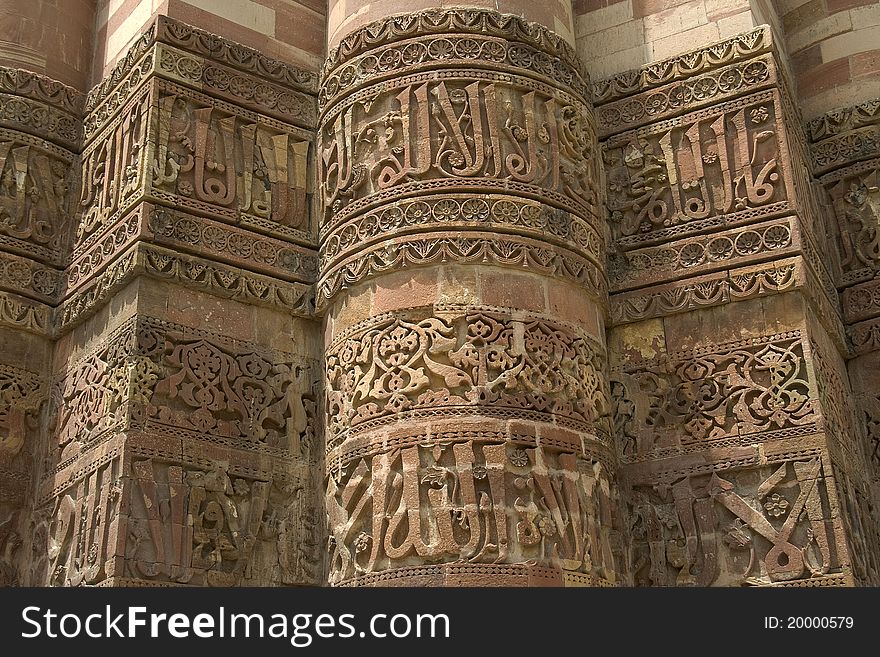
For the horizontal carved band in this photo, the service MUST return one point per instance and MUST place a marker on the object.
(30, 279)
(443, 426)
(21, 313)
(199, 236)
(674, 178)
(417, 134)
(240, 247)
(687, 95)
(241, 88)
(105, 98)
(221, 280)
(864, 336)
(861, 301)
(471, 21)
(468, 358)
(514, 506)
(502, 250)
(156, 372)
(449, 51)
(743, 46)
(41, 88)
(708, 291)
(843, 120)
(845, 149)
(42, 120)
(462, 574)
(696, 255)
(464, 213)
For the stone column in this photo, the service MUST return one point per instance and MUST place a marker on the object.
(183, 424)
(45, 49)
(735, 431)
(462, 279)
(845, 152)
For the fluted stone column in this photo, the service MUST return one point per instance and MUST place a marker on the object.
(464, 293)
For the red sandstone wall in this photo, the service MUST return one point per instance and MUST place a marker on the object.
(289, 30)
(835, 51)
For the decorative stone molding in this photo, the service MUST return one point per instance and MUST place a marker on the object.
(126, 76)
(450, 21)
(41, 106)
(690, 93)
(403, 253)
(231, 85)
(30, 279)
(450, 50)
(41, 88)
(845, 149)
(721, 527)
(843, 120)
(215, 278)
(703, 60)
(450, 213)
(484, 358)
(708, 291)
(692, 256)
(25, 314)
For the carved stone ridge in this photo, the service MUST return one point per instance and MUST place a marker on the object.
(41, 88)
(844, 119)
(192, 39)
(455, 21)
(737, 48)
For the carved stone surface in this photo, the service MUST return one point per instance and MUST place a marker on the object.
(40, 106)
(712, 208)
(447, 313)
(148, 385)
(35, 203)
(707, 170)
(209, 527)
(21, 394)
(463, 358)
(473, 502)
(856, 198)
(770, 524)
(149, 373)
(450, 139)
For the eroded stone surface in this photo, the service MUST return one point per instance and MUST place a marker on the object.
(446, 312)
